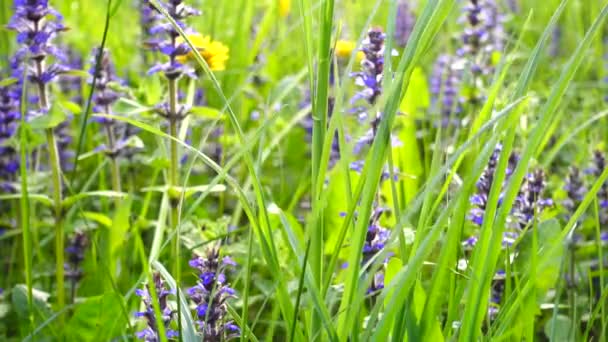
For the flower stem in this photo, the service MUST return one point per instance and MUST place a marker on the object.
(55, 167)
(115, 166)
(174, 196)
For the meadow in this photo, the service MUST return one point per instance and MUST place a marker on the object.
(303, 170)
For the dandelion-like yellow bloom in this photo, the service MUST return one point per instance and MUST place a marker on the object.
(345, 48)
(215, 53)
(284, 8)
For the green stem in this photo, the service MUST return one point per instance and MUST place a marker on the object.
(55, 167)
(175, 196)
(115, 167)
(58, 207)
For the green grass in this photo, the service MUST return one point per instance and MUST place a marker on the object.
(253, 171)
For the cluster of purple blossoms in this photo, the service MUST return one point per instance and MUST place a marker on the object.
(370, 79)
(404, 23)
(210, 295)
(483, 35)
(575, 189)
(64, 139)
(9, 116)
(375, 241)
(479, 200)
(107, 92)
(529, 203)
(148, 17)
(496, 293)
(599, 165)
(75, 252)
(165, 40)
(37, 25)
(71, 85)
(151, 332)
(445, 84)
(372, 65)
(530, 200)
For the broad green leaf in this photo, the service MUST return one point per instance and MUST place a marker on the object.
(97, 319)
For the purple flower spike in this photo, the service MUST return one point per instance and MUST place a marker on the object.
(151, 332)
(37, 25)
(404, 23)
(210, 295)
(9, 117)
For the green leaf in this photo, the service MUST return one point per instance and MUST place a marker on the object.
(8, 81)
(69, 201)
(417, 96)
(44, 199)
(97, 319)
(118, 231)
(206, 112)
(559, 329)
(549, 234)
(100, 218)
(175, 191)
(71, 107)
(52, 119)
(41, 308)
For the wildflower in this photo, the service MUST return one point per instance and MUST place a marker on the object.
(105, 96)
(170, 46)
(214, 53)
(404, 23)
(375, 241)
(344, 49)
(72, 85)
(37, 25)
(575, 188)
(9, 115)
(210, 295)
(445, 87)
(530, 201)
(75, 255)
(496, 293)
(64, 139)
(151, 332)
(599, 165)
(370, 78)
(484, 185)
(483, 35)
(284, 8)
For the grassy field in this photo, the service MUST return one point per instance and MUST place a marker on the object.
(303, 170)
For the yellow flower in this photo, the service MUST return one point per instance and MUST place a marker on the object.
(215, 53)
(345, 48)
(284, 7)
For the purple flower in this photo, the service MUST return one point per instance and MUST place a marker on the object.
(151, 332)
(64, 140)
(404, 23)
(482, 36)
(370, 78)
(37, 25)
(598, 167)
(75, 252)
(210, 295)
(375, 241)
(484, 185)
(9, 117)
(530, 201)
(496, 293)
(575, 188)
(169, 46)
(445, 85)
